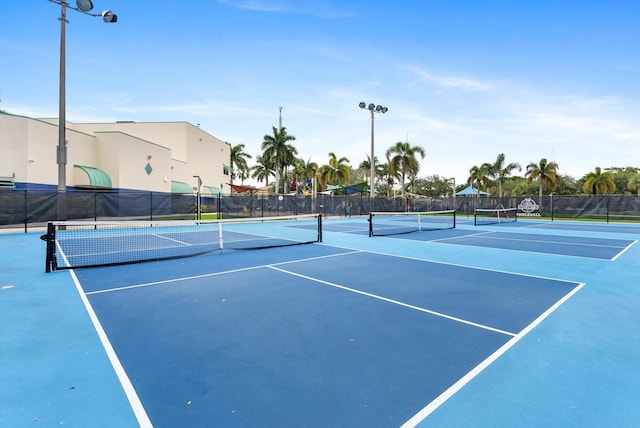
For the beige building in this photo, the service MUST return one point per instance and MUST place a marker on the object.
(147, 156)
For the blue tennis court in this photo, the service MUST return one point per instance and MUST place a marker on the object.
(323, 339)
(500, 237)
(439, 328)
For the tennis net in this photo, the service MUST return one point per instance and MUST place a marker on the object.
(75, 244)
(395, 223)
(483, 216)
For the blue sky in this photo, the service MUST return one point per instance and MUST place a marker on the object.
(466, 80)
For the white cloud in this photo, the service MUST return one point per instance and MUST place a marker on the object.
(446, 82)
(195, 108)
(308, 7)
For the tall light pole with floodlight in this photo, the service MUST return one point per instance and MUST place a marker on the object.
(373, 109)
(83, 6)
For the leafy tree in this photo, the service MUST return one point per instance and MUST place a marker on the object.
(402, 160)
(433, 186)
(566, 185)
(545, 172)
(623, 177)
(337, 171)
(239, 167)
(634, 183)
(522, 187)
(277, 149)
(599, 183)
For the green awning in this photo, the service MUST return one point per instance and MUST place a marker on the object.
(213, 190)
(357, 188)
(335, 187)
(97, 177)
(180, 187)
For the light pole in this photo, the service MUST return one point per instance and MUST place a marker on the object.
(373, 109)
(83, 6)
(198, 214)
(452, 182)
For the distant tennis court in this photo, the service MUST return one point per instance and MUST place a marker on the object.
(440, 229)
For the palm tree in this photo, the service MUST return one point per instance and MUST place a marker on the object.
(500, 171)
(480, 176)
(263, 169)
(384, 175)
(546, 172)
(305, 170)
(239, 167)
(337, 171)
(364, 169)
(403, 160)
(276, 148)
(380, 170)
(365, 166)
(599, 183)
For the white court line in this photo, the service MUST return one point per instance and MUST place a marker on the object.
(125, 382)
(352, 230)
(443, 241)
(624, 251)
(442, 398)
(171, 239)
(458, 264)
(206, 275)
(395, 302)
(581, 244)
(452, 238)
(167, 281)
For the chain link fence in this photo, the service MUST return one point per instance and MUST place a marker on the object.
(28, 209)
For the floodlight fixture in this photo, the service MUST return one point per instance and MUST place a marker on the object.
(362, 104)
(109, 17)
(372, 106)
(84, 5)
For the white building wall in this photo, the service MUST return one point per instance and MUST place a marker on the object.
(173, 150)
(167, 134)
(181, 171)
(81, 150)
(203, 149)
(125, 159)
(14, 154)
